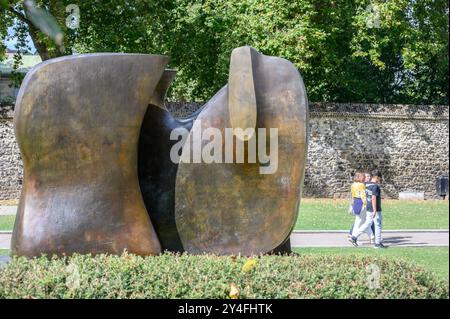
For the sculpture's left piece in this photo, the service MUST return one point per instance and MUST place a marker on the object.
(77, 123)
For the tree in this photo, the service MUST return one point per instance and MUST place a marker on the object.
(409, 50)
(343, 53)
(347, 51)
(43, 21)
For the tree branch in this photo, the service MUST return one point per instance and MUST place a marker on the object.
(19, 15)
(32, 31)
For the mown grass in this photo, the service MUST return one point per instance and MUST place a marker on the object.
(434, 259)
(331, 214)
(7, 222)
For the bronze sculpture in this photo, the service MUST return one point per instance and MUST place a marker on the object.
(157, 173)
(77, 122)
(233, 208)
(84, 155)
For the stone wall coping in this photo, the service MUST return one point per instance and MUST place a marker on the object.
(387, 116)
(385, 111)
(360, 110)
(319, 109)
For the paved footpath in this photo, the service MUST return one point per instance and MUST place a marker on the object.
(331, 238)
(8, 210)
(5, 240)
(393, 238)
(408, 238)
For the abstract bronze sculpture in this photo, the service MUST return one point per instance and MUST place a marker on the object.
(77, 123)
(233, 208)
(86, 144)
(157, 173)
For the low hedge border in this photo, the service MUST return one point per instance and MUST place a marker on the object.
(209, 276)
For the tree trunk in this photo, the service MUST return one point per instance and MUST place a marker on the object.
(41, 48)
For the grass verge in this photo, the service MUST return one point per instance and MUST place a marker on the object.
(7, 222)
(331, 214)
(434, 259)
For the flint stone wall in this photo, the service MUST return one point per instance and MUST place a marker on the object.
(408, 143)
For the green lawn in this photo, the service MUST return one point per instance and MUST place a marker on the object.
(331, 214)
(4, 252)
(435, 259)
(7, 222)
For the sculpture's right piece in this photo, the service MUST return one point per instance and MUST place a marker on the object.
(250, 206)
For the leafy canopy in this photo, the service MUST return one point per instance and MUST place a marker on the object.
(347, 51)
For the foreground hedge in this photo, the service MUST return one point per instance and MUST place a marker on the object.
(206, 276)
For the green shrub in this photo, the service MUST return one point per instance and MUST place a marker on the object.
(206, 276)
(7, 101)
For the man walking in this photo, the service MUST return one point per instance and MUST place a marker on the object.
(374, 215)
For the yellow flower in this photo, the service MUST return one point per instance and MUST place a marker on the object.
(249, 265)
(234, 292)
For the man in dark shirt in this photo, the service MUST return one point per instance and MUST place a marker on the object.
(374, 215)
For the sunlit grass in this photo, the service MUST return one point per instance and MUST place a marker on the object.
(331, 214)
(7, 222)
(435, 259)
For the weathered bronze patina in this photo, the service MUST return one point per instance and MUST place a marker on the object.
(95, 140)
(233, 208)
(77, 123)
(229, 208)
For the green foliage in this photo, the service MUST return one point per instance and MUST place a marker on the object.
(206, 276)
(42, 20)
(410, 50)
(20, 30)
(7, 101)
(344, 51)
(339, 56)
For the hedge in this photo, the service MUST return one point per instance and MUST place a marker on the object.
(208, 276)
